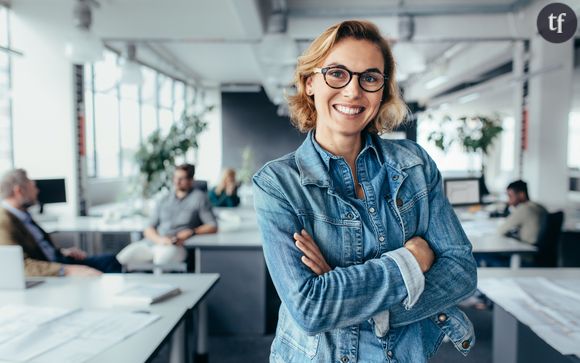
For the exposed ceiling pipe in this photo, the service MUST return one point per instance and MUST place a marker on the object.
(416, 10)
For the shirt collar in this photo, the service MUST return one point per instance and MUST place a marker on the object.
(369, 147)
(23, 216)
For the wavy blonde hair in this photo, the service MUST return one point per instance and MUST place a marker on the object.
(302, 111)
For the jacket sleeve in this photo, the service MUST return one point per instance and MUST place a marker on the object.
(32, 267)
(453, 276)
(339, 298)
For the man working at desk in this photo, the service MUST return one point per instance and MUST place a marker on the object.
(526, 217)
(41, 256)
(183, 213)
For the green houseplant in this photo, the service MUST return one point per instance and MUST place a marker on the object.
(157, 155)
(475, 135)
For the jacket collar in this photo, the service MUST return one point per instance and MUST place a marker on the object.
(314, 162)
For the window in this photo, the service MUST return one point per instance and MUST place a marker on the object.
(455, 159)
(120, 117)
(507, 141)
(6, 147)
(574, 140)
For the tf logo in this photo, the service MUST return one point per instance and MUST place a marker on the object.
(557, 23)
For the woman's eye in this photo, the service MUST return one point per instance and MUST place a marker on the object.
(337, 73)
(370, 78)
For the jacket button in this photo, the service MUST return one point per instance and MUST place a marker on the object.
(350, 215)
(372, 209)
(399, 202)
(395, 177)
(382, 238)
(390, 354)
(442, 317)
(344, 359)
(465, 344)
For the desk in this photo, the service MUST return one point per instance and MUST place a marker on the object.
(235, 252)
(98, 292)
(513, 341)
(485, 240)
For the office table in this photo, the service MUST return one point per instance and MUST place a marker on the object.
(514, 341)
(97, 293)
(483, 236)
(235, 252)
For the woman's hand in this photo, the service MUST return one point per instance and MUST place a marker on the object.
(312, 258)
(422, 252)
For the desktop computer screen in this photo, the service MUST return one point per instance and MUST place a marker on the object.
(51, 191)
(462, 191)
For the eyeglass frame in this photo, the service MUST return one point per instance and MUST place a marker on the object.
(324, 70)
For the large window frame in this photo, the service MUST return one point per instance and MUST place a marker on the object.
(6, 120)
(154, 106)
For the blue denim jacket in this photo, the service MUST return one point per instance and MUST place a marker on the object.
(324, 318)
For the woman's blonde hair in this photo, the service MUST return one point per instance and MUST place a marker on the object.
(302, 111)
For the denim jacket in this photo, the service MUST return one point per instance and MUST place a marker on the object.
(320, 316)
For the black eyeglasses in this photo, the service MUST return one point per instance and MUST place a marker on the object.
(339, 76)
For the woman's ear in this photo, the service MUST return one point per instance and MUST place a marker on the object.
(308, 86)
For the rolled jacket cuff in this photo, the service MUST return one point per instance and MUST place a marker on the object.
(412, 275)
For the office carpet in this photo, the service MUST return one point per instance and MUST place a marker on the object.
(255, 349)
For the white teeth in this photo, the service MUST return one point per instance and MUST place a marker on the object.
(349, 110)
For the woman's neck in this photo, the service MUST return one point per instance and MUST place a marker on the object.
(347, 147)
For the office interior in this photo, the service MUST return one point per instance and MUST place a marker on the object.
(80, 95)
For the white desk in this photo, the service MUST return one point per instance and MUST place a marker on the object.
(97, 293)
(513, 341)
(483, 236)
(235, 252)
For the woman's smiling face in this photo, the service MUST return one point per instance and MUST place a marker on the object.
(346, 111)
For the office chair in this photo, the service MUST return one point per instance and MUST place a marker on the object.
(200, 184)
(547, 255)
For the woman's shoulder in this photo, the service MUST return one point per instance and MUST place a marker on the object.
(281, 166)
(404, 152)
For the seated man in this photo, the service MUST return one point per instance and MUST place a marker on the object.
(41, 256)
(526, 217)
(182, 214)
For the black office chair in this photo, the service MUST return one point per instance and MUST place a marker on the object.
(200, 184)
(547, 255)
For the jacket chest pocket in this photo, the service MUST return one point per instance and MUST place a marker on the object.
(336, 238)
(411, 206)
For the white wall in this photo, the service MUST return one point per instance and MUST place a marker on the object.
(43, 96)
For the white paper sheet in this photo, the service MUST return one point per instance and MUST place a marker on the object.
(550, 307)
(64, 335)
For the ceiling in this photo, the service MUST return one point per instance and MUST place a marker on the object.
(219, 43)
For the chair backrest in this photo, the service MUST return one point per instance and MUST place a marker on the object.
(547, 255)
(200, 184)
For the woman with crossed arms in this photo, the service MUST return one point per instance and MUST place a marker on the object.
(363, 248)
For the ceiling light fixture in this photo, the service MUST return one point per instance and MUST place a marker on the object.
(130, 69)
(84, 46)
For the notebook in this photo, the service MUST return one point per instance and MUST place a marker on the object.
(146, 293)
(12, 269)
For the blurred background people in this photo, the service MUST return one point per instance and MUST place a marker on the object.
(225, 194)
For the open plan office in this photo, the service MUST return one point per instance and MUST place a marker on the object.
(143, 219)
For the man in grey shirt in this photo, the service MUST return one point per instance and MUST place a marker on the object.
(183, 213)
(526, 218)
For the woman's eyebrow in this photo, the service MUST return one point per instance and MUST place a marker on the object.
(334, 64)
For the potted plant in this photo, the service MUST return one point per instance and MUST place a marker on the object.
(475, 134)
(156, 157)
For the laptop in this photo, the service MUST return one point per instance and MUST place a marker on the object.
(12, 269)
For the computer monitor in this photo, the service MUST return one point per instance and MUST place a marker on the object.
(462, 191)
(50, 191)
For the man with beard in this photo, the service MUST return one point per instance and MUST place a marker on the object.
(41, 256)
(182, 214)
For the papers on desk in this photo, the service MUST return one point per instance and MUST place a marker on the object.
(548, 306)
(64, 335)
(146, 294)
